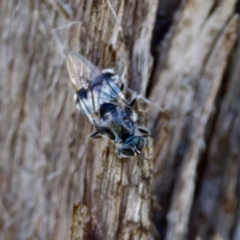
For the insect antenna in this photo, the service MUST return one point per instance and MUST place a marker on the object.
(139, 154)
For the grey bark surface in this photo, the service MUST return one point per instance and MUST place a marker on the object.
(57, 183)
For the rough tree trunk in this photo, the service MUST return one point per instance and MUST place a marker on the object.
(56, 183)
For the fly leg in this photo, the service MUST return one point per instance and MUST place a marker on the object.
(139, 100)
(96, 134)
(147, 110)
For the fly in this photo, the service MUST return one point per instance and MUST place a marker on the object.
(99, 95)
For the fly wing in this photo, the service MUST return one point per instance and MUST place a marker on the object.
(92, 86)
(86, 105)
(81, 71)
(99, 92)
(104, 90)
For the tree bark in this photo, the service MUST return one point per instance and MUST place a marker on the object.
(57, 183)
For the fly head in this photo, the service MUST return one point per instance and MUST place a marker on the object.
(131, 146)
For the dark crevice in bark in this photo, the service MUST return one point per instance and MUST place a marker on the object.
(165, 198)
(194, 214)
(160, 217)
(214, 6)
(237, 7)
(164, 20)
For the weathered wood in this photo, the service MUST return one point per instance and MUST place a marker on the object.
(187, 88)
(56, 183)
(215, 209)
(49, 161)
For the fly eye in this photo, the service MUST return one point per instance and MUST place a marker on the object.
(126, 150)
(139, 142)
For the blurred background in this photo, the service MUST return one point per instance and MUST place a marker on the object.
(56, 183)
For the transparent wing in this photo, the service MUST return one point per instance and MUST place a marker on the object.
(81, 71)
(103, 90)
(100, 91)
(86, 106)
(93, 87)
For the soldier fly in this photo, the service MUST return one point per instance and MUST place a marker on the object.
(99, 96)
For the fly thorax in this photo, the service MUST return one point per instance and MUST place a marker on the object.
(116, 123)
